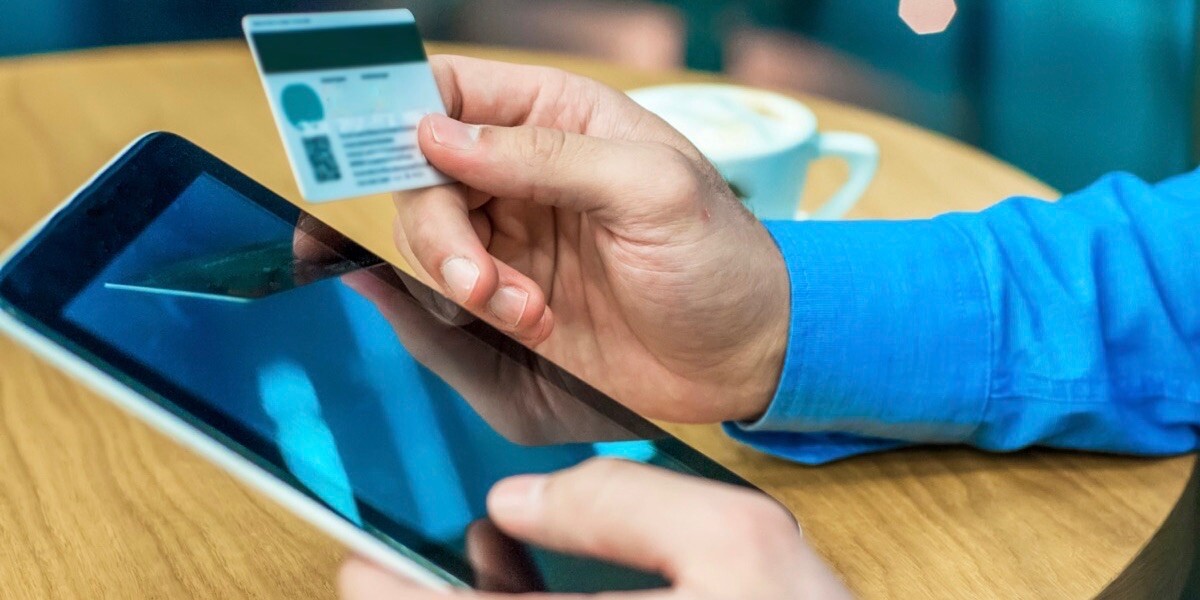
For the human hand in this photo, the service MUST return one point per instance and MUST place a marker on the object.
(709, 540)
(589, 228)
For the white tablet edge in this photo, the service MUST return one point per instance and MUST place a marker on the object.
(183, 433)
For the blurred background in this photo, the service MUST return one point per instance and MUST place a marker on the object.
(1065, 89)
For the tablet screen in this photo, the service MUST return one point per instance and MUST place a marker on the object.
(346, 379)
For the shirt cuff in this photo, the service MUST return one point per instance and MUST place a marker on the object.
(889, 343)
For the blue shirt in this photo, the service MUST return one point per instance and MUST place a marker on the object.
(1073, 324)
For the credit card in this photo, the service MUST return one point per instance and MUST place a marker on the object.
(347, 90)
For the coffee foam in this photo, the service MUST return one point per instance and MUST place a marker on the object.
(727, 122)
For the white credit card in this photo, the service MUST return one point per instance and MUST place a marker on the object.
(347, 90)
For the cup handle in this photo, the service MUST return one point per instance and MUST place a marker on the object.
(862, 154)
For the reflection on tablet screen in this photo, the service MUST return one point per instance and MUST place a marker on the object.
(343, 381)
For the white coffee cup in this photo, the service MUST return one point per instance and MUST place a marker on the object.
(763, 143)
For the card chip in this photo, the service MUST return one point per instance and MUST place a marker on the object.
(320, 156)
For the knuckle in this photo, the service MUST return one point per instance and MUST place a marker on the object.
(760, 529)
(586, 483)
(580, 96)
(597, 469)
(559, 85)
(418, 235)
(539, 146)
(762, 521)
(563, 490)
(554, 76)
(590, 490)
(678, 177)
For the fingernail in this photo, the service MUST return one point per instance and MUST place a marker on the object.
(460, 276)
(509, 304)
(453, 134)
(516, 497)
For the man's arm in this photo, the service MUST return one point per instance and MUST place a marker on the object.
(1074, 325)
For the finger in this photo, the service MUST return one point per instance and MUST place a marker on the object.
(501, 564)
(361, 580)
(613, 178)
(440, 235)
(484, 91)
(402, 244)
(425, 293)
(480, 222)
(648, 518)
(498, 93)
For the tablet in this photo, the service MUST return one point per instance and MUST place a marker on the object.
(272, 345)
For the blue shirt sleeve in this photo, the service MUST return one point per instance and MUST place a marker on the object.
(1073, 324)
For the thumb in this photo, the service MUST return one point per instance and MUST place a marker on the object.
(614, 179)
(648, 518)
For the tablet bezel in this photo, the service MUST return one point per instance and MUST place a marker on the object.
(122, 200)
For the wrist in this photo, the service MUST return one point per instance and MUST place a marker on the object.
(771, 344)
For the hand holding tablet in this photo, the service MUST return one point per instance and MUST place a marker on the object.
(717, 541)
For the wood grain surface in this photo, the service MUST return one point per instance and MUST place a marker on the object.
(95, 505)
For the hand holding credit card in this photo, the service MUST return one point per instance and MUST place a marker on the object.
(347, 90)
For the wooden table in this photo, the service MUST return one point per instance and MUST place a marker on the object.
(93, 504)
